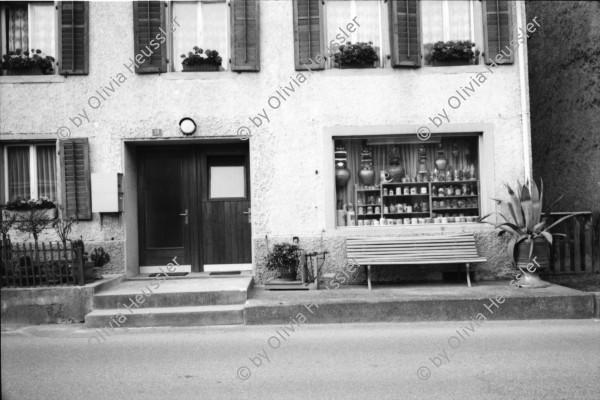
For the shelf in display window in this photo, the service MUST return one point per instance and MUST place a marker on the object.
(418, 212)
(455, 209)
(453, 197)
(406, 195)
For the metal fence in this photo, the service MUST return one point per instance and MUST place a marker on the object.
(43, 264)
(579, 251)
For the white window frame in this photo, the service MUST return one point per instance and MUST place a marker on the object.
(173, 58)
(33, 178)
(384, 38)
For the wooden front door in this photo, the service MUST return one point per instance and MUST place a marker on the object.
(194, 203)
(163, 202)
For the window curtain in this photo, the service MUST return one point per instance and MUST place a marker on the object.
(409, 159)
(203, 24)
(341, 12)
(17, 28)
(446, 20)
(18, 173)
(42, 30)
(46, 172)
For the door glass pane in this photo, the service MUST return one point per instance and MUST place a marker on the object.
(18, 173)
(227, 182)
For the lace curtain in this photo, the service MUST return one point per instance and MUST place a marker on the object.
(42, 28)
(18, 173)
(203, 24)
(18, 28)
(46, 172)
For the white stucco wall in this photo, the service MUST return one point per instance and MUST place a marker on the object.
(288, 197)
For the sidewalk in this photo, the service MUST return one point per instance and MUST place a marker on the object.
(418, 302)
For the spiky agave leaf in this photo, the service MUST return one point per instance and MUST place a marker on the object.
(562, 219)
(536, 203)
(515, 207)
(527, 207)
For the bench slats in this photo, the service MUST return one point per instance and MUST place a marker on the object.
(407, 250)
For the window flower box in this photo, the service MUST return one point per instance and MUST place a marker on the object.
(200, 60)
(27, 63)
(49, 213)
(19, 208)
(453, 53)
(200, 68)
(358, 55)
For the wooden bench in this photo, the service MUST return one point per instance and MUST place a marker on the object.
(413, 250)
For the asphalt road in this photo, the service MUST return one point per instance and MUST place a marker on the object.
(443, 360)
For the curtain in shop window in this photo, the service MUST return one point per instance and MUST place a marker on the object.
(18, 173)
(46, 172)
(341, 12)
(42, 29)
(203, 25)
(409, 159)
(17, 28)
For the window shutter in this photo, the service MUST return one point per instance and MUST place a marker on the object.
(149, 22)
(308, 17)
(75, 173)
(245, 35)
(405, 33)
(73, 33)
(497, 26)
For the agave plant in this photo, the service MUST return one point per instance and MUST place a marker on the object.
(524, 220)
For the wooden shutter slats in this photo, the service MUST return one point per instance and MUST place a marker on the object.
(73, 40)
(308, 37)
(405, 33)
(497, 31)
(75, 170)
(149, 17)
(245, 35)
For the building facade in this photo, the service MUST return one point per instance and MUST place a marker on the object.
(213, 167)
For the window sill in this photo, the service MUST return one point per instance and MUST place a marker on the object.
(200, 75)
(402, 230)
(387, 71)
(6, 79)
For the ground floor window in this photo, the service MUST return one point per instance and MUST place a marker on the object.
(400, 180)
(30, 171)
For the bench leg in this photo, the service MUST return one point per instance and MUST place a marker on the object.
(369, 276)
(468, 275)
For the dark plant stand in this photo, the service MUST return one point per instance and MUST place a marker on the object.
(25, 71)
(201, 68)
(356, 66)
(451, 63)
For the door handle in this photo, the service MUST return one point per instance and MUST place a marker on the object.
(186, 216)
(249, 214)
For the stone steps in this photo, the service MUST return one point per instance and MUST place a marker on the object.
(171, 302)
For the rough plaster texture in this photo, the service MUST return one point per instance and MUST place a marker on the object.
(564, 79)
(287, 154)
(46, 305)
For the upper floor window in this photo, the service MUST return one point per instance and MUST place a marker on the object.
(203, 24)
(366, 18)
(30, 171)
(25, 27)
(450, 21)
(401, 33)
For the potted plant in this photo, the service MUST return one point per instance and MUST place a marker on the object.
(357, 55)
(530, 237)
(32, 62)
(284, 258)
(20, 208)
(453, 53)
(100, 259)
(195, 61)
